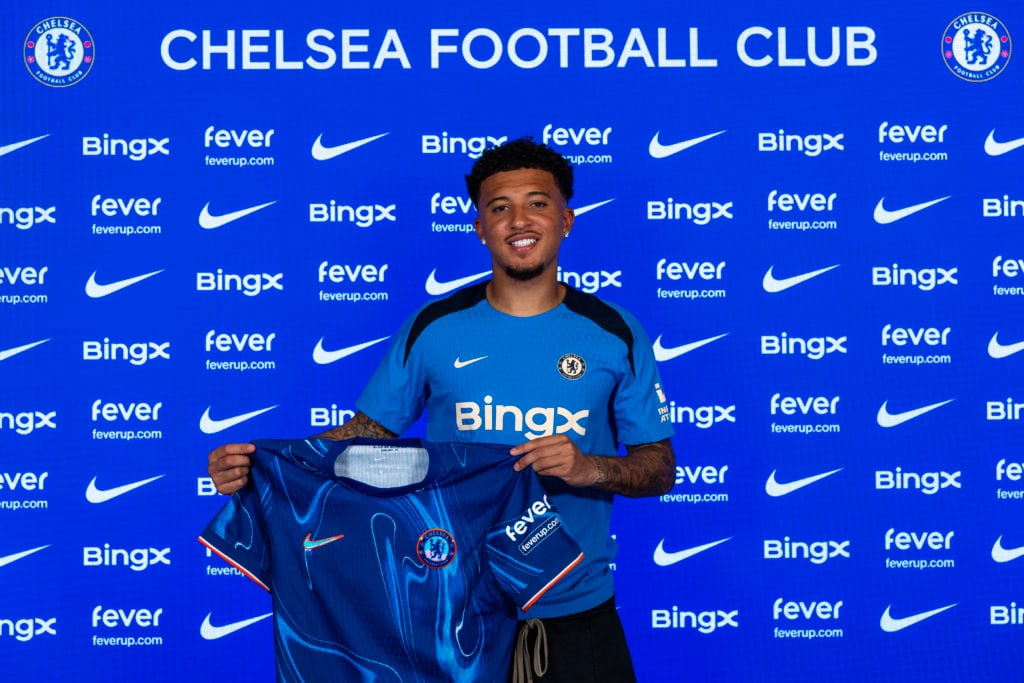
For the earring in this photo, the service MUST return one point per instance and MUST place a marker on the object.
(565, 233)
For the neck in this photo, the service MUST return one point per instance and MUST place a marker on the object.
(523, 299)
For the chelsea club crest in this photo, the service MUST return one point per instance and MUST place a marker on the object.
(436, 548)
(59, 52)
(976, 47)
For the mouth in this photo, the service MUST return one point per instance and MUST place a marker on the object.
(523, 242)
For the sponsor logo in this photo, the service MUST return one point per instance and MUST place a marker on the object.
(707, 474)
(27, 481)
(814, 348)
(250, 284)
(884, 216)
(658, 150)
(112, 618)
(13, 146)
(59, 52)
(1001, 554)
(450, 144)
(463, 363)
(976, 47)
(887, 419)
(94, 494)
(890, 624)
(677, 270)
(810, 145)
(571, 366)
(210, 426)
(705, 622)
(773, 285)
(590, 281)
(575, 136)
(590, 207)
(1008, 410)
(1013, 471)
(27, 217)
(321, 356)
(901, 336)
(995, 349)
(247, 341)
(436, 287)
(26, 629)
(906, 540)
(26, 422)
(23, 275)
(992, 147)
(541, 420)
(667, 559)
(321, 152)
(925, 279)
(309, 543)
(112, 411)
(211, 632)
(14, 557)
(800, 202)
(927, 483)
(662, 353)
(777, 489)
(116, 206)
(1000, 615)
(703, 417)
(363, 215)
(228, 137)
(15, 350)
(209, 221)
(818, 552)
(137, 559)
(1009, 267)
(699, 213)
(136, 353)
(898, 134)
(95, 290)
(436, 548)
(339, 273)
(791, 405)
(994, 207)
(135, 149)
(332, 416)
(534, 510)
(798, 609)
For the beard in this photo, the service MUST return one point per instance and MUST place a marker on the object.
(524, 274)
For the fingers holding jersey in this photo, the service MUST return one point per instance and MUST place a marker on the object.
(229, 466)
(556, 456)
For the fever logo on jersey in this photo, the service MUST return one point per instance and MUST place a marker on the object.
(59, 52)
(436, 548)
(571, 366)
(976, 46)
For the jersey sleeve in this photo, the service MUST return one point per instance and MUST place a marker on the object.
(396, 393)
(640, 407)
(529, 548)
(238, 532)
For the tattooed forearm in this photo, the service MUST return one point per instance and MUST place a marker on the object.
(646, 470)
(358, 425)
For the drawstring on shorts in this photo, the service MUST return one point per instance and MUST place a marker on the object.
(524, 667)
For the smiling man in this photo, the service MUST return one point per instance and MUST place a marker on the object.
(560, 376)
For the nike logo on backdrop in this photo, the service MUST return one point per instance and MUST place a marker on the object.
(98, 495)
(14, 351)
(464, 363)
(662, 354)
(95, 290)
(773, 285)
(1001, 554)
(436, 288)
(995, 349)
(210, 222)
(890, 625)
(775, 489)
(210, 632)
(210, 426)
(323, 357)
(883, 216)
(887, 419)
(7, 149)
(8, 559)
(665, 559)
(590, 207)
(995, 149)
(309, 544)
(321, 153)
(660, 151)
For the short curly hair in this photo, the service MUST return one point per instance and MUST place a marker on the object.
(517, 154)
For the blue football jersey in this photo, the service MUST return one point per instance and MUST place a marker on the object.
(584, 369)
(393, 560)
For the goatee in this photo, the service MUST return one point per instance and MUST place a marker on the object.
(524, 274)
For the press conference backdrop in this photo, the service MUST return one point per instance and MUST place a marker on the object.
(215, 215)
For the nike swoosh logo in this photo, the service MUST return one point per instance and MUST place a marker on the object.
(995, 349)
(210, 632)
(995, 149)
(210, 426)
(773, 285)
(590, 207)
(435, 288)
(321, 153)
(8, 559)
(7, 149)
(309, 544)
(209, 221)
(14, 351)
(665, 559)
(323, 357)
(1001, 554)
(775, 489)
(890, 625)
(887, 419)
(662, 354)
(464, 363)
(883, 216)
(97, 291)
(93, 494)
(660, 151)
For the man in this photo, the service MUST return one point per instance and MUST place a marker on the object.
(524, 360)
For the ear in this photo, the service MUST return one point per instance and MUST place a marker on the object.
(479, 231)
(568, 216)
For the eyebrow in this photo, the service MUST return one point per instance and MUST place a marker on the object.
(528, 194)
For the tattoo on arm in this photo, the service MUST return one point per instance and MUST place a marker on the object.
(646, 470)
(358, 425)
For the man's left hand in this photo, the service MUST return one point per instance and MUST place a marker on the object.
(557, 456)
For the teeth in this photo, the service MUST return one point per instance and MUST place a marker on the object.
(525, 242)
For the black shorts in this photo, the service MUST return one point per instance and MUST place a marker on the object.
(589, 647)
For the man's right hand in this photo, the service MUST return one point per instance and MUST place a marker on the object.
(229, 466)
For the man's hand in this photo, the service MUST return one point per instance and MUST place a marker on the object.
(557, 456)
(229, 466)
